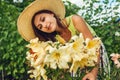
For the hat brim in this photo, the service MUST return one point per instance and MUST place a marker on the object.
(24, 21)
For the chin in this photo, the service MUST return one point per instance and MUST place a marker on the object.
(52, 30)
(49, 31)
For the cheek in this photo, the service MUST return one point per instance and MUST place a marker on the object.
(55, 22)
(54, 25)
(53, 19)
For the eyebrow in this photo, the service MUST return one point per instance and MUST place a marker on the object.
(40, 18)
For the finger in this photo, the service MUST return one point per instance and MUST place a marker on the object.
(87, 79)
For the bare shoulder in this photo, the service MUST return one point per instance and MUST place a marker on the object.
(77, 18)
(78, 22)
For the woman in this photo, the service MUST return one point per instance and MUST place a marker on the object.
(46, 23)
(45, 20)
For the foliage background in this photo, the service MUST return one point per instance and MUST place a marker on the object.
(12, 46)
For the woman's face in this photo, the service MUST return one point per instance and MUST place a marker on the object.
(45, 22)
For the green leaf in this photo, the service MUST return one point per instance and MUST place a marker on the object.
(22, 70)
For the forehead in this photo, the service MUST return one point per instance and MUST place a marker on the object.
(41, 14)
(37, 17)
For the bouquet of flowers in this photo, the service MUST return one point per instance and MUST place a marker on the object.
(72, 55)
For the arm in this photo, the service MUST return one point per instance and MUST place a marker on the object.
(81, 26)
(93, 74)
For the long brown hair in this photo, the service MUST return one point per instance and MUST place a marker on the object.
(43, 35)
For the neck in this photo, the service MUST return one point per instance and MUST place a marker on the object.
(61, 29)
(58, 28)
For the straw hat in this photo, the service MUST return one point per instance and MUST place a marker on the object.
(24, 21)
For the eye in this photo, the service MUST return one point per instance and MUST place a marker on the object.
(43, 19)
(40, 26)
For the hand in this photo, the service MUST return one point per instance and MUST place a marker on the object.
(89, 76)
